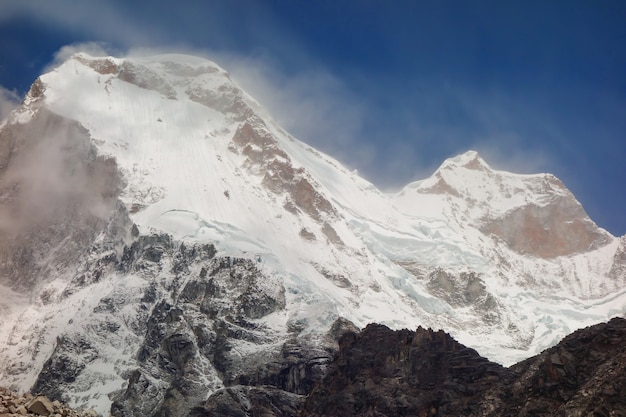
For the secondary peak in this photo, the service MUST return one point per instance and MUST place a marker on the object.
(470, 160)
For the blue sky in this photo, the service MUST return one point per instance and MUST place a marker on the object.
(390, 88)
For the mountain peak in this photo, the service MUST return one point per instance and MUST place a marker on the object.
(179, 235)
(470, 160)
(531, 213)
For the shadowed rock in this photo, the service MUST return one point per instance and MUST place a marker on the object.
(380, 372)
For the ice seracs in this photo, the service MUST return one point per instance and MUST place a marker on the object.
(218, 236)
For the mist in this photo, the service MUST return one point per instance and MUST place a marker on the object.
(56, 194)
(9, 99)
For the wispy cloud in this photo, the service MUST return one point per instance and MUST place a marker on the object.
(312, 104)
(9, 99)
(305, 97)
(92, 48)
(319, 108)
(509, 129)
(95, 19)
(48, 175)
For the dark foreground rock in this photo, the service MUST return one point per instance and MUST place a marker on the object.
(380, 372)
(584, 375)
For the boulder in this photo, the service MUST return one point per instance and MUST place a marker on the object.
(41, 406)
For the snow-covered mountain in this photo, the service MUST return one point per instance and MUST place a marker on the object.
(163, 237)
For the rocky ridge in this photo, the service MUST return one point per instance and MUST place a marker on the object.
(380, 372)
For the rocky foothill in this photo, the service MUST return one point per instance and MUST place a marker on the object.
(14, 405)
(380, 372)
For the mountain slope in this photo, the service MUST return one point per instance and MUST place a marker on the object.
(163, 237)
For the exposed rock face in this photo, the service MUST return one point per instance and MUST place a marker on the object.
(267, 159)
(189, 330)
(560, 228)
(144, 78)
(466, 289)
(103, 66)
(64, 366)
(244, 401)
(275, 383)
(380, 372)
(585, 374)
(279, 385)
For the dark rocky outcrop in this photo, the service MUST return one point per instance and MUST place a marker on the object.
(194, 325)
(584, 375)
(64, 365)
(279, 385)
(380, 372)
(244, 401)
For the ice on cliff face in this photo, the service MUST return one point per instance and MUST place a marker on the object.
(507, 263)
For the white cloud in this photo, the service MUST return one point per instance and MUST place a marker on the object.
(97, 19)
(9, 99)
(95, 49)
(91, 48)
(312, 104)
